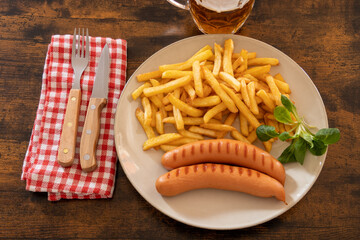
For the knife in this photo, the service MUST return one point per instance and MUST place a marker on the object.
(98, 99)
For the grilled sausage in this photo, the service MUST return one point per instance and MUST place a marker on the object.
(219, 176)
(226, 151)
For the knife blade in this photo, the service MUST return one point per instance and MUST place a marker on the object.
(98, 99)
(79, 62)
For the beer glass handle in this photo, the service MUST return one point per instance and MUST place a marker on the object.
(179, 5)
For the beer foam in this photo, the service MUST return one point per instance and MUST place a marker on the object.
(222, 6)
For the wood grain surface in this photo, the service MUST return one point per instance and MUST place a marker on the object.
(322, 36)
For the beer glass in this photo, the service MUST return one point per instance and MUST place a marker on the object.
(217, 16)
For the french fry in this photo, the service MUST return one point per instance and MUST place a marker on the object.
(175, 74)
(235, 84)
(156, 101)
(281, 128)
(182, 141)
(279, 77)
(206, 102)
(272, 123)
(147, 110)
(244, 93)
(267, 145)
(163, 112)
(135, 94)
(263, 61)
(244, 64)
(228, 121)
(197, 79)
(167, 148)
(165, 100)
(213, 111)
(258, 71)
(218, 116)
(244, 127)
(206, 47)
(252, 136)
(261, 86)
(167, 87)
(219, 91)
(242, 107)
(179, 122)
(273, 88)
(154, 82)
(224, 83)
(187, 64)
(189, 120)
(262, 111)
(207, 90)
(147, 76)
(228, 52)
(238, 136)
(194, 112)
(258, 100)
(237, 63)
(203, 131)
(250, 77)
(159, 140)
(218, 127)
(266, 109)
(149, 131)
(184, 96)
(189, 134)
(190, 91)
(251, 55)
(209, 66)
(283, 86)
(168, 108)
(253, 105)
(159, 126)
(217, 60)
(269, 116)
(153, 115)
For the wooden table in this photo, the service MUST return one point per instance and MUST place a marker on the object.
(321, 36)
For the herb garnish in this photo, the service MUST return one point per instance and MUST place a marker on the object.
(303, 139)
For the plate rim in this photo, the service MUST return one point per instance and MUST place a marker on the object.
(133, 78)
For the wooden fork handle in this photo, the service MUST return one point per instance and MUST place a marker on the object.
(67, 145)
(90, 134)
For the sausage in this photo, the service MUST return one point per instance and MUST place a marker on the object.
(226, 151)
(219, 176)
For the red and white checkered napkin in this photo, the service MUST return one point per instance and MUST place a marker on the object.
(41, 170)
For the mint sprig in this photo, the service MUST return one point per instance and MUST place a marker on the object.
(303, 139)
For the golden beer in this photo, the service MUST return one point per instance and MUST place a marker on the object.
(220, 16)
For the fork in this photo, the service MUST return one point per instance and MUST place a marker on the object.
(79, 61)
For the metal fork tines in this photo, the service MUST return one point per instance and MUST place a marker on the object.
(79, 55)
(79, 61)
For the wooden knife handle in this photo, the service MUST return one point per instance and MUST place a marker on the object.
(67, 145)
(90, 134)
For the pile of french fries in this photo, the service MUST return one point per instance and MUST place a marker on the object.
(204, 95)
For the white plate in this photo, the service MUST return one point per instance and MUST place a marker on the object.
(210, 208)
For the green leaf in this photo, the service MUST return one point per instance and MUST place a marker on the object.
(288, 104)
(328, 135)
(282, 115)
(288, 154)
(265, 133)
(285, 136)
(319, 148)
(308, 137)
(300, 148)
